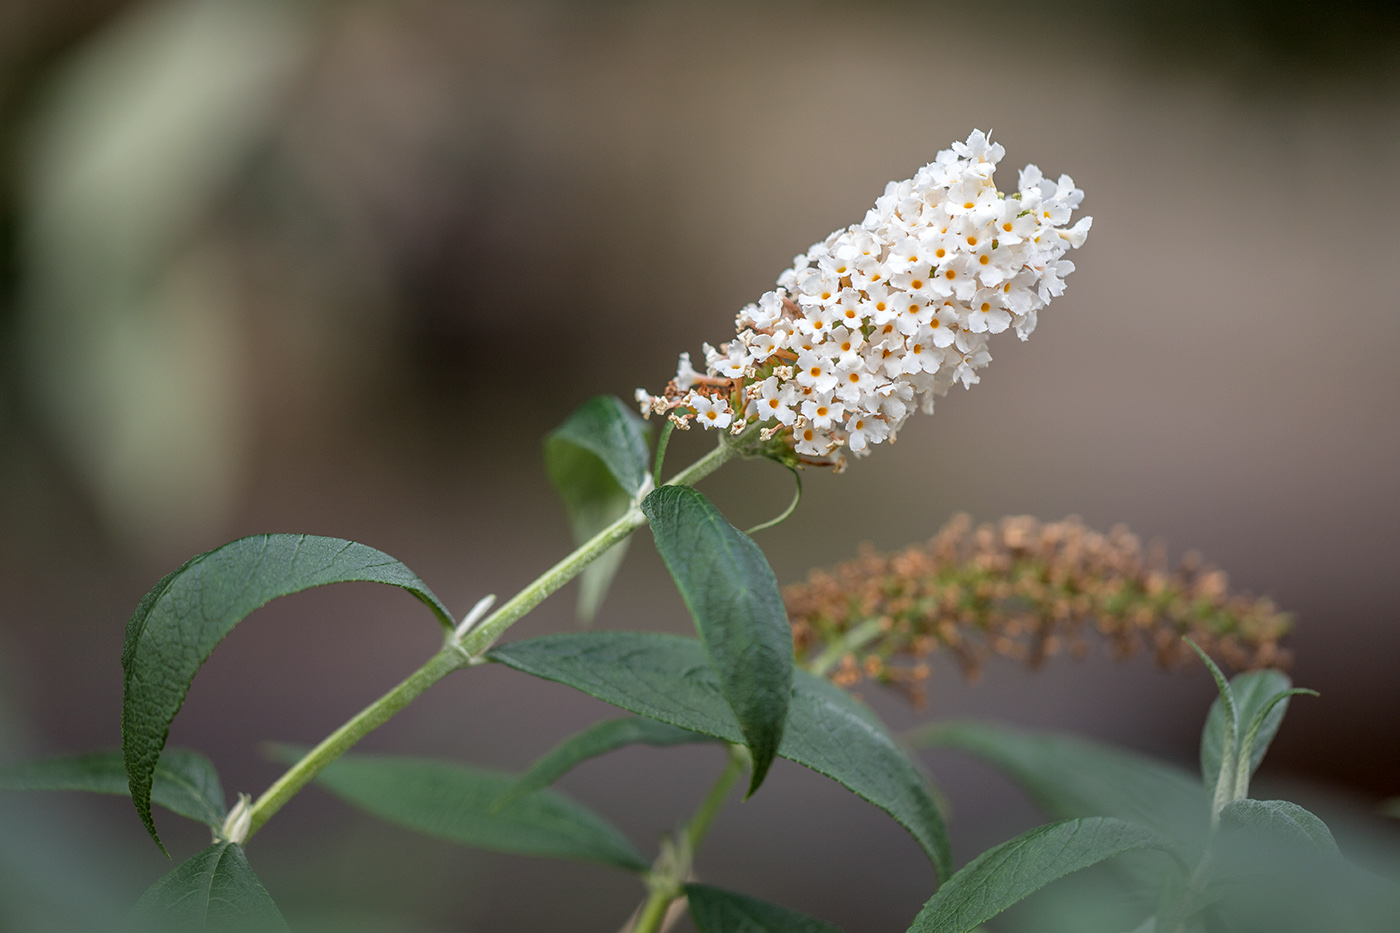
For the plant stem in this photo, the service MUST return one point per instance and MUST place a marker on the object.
(467, 651)
(338, 742)
(484, 635)
(862, 634)
(673, 866)
(699, 825)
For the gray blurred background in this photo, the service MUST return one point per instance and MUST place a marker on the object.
(337, 268)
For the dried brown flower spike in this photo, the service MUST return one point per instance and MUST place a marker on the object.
(1025, 590)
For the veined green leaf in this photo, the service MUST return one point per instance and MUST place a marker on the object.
(715, 910)
(611, 431)
(1012, 871)
(185, 781)
(1071, 777)
(1251, 692)
(668, 678)
(733, 596)
(188, 613)
(599, 739)
(1280, 820)
(459, 803)
(213, 891)
(597, 460)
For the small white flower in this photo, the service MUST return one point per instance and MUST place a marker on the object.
(734, 362)
(914, 312)
(986, 314)
(710, 413)
(856, 384)
(775, 400)
(943, 326)
(844, 345)
(685, 373)
(816, 372)
(762, 346)
(880, 305)
(869, 271)
(814, 443)
(863, 429)
(821, 410)
(923, 355)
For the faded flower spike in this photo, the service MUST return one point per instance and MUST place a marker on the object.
(1022, 589)
(894, 309)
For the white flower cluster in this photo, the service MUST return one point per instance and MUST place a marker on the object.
(894, 309)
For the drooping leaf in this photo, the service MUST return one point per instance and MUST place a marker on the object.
(1008, 873)
(1280, 820)
(609, 430)
(213, 891)
(599, 739)
(1071, 777)
(459, 803)
(715, 910)
(668, 678)
(1251, 691)
(733, 596)
(597, 460)
(185, 781)
(188, 613)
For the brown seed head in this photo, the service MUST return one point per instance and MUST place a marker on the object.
(1027, 590)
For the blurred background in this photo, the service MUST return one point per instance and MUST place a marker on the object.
(336, 268)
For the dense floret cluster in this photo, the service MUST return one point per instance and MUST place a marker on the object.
(888, 313)
(1022, 589)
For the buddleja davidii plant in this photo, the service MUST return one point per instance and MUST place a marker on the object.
(878, 317)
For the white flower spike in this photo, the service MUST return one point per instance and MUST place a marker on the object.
(899, 306)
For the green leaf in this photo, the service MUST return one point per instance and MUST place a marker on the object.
(668, 678)
(1250, 692)
(1070, 777)
(733, 596)
(1012, 871)
(215, 890)
(597, 460)
(188, 613)
(1279, 819)
(715, 910)
(185, 781)
(459, 803)
(1246, 760)
(1221, 733)
(614, 434)
(599, 739)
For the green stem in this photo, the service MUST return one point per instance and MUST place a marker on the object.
(338, 742)
(461, 653)
(699, 825)
(861, 635)
(653, 912)
(672, 869)
(484, 635)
